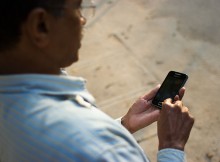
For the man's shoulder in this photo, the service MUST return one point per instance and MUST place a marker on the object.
(67, 128)
(78, 131)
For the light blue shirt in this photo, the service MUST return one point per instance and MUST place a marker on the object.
(46, 118)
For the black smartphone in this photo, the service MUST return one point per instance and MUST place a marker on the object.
(170, 87)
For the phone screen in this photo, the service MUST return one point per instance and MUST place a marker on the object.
(170, 87)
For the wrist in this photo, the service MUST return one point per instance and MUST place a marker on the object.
(124, 122)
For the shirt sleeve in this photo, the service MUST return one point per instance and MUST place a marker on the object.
(168, 155)
(120, 153)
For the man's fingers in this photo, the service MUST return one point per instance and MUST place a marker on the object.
(167, 104)
(178, 103)
(180, 95)
(182, 92)
(168, 101)
(176, 98)
(152, 93)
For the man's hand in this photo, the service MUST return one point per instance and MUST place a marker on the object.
(142, 113)
(174, 125)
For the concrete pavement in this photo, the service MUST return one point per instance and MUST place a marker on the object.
(129, 47)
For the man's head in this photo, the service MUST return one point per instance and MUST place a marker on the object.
(14, 12)
(43, 33)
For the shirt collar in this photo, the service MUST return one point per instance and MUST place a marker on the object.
(44, 84)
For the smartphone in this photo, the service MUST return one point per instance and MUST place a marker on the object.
(170, 87)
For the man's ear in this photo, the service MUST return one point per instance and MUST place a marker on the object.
(37, 27)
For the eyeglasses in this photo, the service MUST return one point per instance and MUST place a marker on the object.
(87, 9)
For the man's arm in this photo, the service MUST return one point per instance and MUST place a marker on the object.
(174, 124)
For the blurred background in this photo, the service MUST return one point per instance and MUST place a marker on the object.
(128, 48)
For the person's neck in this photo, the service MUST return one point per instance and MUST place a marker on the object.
(11, 63)
(24, 70)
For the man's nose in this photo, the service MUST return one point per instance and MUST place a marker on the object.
(83, 20)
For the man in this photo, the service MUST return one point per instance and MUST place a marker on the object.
(46, 116)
